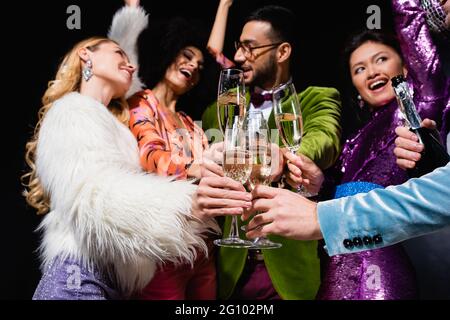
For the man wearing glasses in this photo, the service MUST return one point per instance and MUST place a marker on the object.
(264, 53)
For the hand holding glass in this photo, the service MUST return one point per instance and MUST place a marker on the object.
(288, 118)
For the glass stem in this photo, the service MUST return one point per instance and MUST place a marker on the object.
(234, 231)
(294, 152)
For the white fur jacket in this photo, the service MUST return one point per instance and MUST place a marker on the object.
(125, 28)
(105, 211)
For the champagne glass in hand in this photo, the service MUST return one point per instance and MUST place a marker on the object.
(260, 147)
(237, 165)
(230, 98)
(288, 118)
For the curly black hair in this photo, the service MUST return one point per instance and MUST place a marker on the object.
(159, 46)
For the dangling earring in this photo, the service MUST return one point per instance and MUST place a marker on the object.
(360, 101)
(87, 70)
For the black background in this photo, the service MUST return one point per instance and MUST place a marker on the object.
(36, 37)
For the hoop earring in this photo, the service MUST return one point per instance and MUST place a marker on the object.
(361, 102)
(87, 71)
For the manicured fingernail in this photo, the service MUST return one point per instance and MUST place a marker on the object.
(248, 205)
(248, 197)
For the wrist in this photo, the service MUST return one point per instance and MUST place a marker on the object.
(225, 5)
(317, 233)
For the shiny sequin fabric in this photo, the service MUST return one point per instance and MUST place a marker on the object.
(446, 124)
(69, 280)
(370, 275)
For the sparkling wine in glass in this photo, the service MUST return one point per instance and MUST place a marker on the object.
(237, 165)
(260, 147)
(288, 118)
(289, 125)
(230, 98)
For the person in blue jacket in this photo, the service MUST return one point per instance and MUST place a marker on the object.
(376, 219)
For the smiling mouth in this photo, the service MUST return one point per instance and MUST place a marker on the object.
(377, 85)
(186, 73)
(128, 72)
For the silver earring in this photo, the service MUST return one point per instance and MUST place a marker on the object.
(360, 101)
(87, 70)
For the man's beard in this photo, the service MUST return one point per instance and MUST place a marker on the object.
(266, 74)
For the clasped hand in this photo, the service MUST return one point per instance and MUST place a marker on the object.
(281, 212)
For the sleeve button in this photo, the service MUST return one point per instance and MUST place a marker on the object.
(367, 240)
(377, 239)
(357, 242)
(348, 244)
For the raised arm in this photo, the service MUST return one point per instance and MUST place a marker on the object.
(217, 36)
(126, 26)
(422, 59)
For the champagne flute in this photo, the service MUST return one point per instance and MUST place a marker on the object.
(288, 118)
(230, 98)
(237, 165)
(260, 147)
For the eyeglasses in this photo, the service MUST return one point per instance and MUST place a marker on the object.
(247, 50)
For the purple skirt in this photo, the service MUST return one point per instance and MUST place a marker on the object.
(70, 280)
(380, 274)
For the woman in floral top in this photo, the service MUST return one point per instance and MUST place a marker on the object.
(169, 141)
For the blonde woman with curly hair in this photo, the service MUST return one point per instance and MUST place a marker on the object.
(108, 224)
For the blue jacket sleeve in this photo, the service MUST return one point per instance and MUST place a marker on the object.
(384, 217)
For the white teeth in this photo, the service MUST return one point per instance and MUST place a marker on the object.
(186, 72)
(376, 83)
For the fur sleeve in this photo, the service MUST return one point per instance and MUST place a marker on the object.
(117, 213)
(126, 26)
